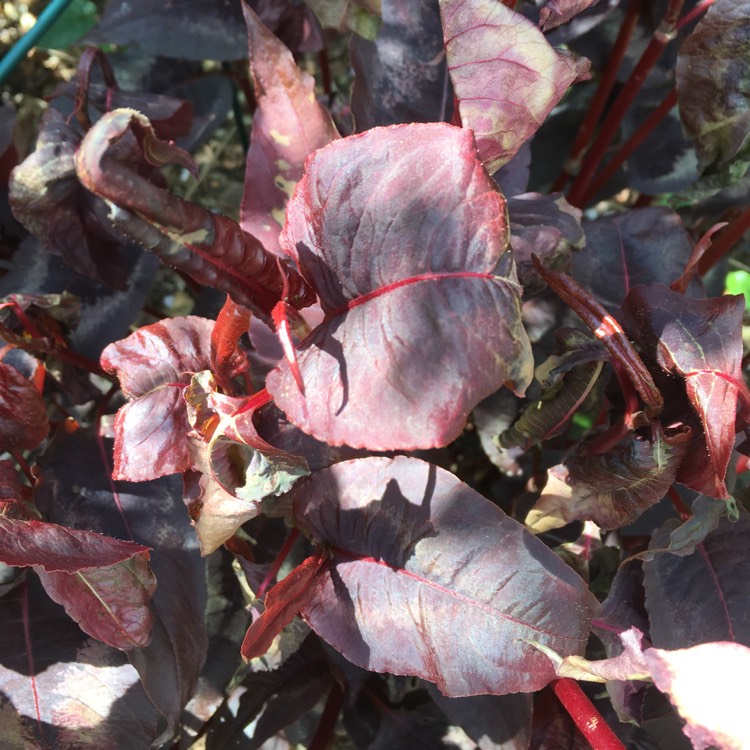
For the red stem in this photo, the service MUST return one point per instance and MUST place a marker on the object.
(327, 723)
(662, 36)
(725, 241)
(30, 658)
(679, 506)
(588, 720)
(601, 96)
(627, 148)
(105, 459)
(278, 562)
(23, 464)
(691, 15)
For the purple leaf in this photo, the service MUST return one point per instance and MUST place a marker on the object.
(47, 199)
(703, 596)
(62, 689)
(612, 489)
(545, 225)
(364, 204)
(110, 603)
(57, 549)
(557, 12)
(403, 571)
(75, 489)
(23, 414)
(639, 246)
(506, 75)
(712, 80)
(104, 584)
(401, 75)
(699, 340)
(154, 365)
(288, 125)
(188, 29)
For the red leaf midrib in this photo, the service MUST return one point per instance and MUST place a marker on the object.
(380, 291)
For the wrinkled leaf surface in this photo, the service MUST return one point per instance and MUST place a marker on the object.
(154, 365)
(403, 235)
(713, 73)
(487, 43)
(420, 559)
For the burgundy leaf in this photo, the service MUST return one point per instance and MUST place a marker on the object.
(506, 75)
(700, 341)
(696, 681)
(624, 607)
(712, 79)
(47, 199)
(57, 549)
(239, 468)
(209, 247)
(703, 596)
(62, 689)
(288, 125)
(154, 365)
(187, 29)
(23, 415)
(612, 489)
(401, 75)
(104, 584)
(640, 246)
(557, 12)
(110, 603)
(402, 570)
(402, 233)
(546, 225)
(75, 489)
(283, 603)
(232, 323)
